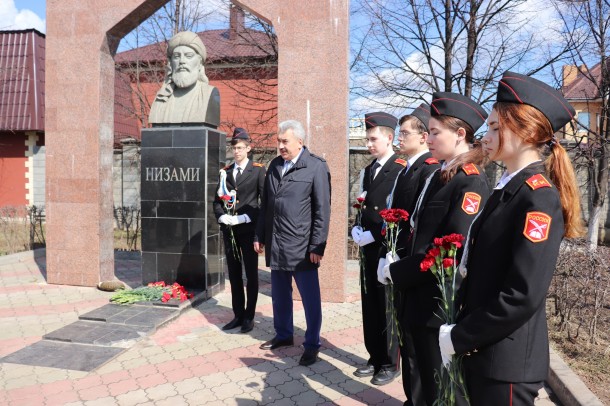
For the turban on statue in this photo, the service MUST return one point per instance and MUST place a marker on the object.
(189, 39)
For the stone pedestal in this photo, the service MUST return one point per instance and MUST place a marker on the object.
(181, 239)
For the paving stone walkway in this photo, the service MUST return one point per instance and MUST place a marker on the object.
(188, 361)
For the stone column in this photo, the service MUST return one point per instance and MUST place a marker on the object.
(313, 88)
(82, 37)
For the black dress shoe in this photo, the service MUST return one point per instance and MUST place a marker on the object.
(309, 357)
(232, 324)
(384, 376)
(367, 370)
(247, 325)
(276, 343)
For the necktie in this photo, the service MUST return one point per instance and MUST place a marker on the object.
(374, 170)
(406, 169)
(238, 174)
(287, 166)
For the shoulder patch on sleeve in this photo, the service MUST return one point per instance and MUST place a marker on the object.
(431, 161)
(537, 226)
(400, 161)
(258, 164)
(537, 181)
(470, 169)
(471, 203)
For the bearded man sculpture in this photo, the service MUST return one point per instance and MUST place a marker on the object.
(186, 96)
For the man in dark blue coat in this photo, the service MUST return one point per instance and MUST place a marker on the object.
(292, 229)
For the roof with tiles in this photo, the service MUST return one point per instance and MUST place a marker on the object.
(581, 83)
(22, 78)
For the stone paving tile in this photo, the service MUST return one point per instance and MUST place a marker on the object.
(189, 361)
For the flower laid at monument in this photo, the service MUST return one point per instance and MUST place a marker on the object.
(441, 260)
(390, 230)
(154, 291)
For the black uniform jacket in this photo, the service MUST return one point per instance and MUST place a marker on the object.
(377, 193)
(513, 251)
(445, 209)
(408, 187)
(295, 213)
(249, 189)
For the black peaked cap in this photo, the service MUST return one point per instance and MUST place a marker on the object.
(422, 112)
(458, 106)
(380, 119)
(240, 134)
(522, 89)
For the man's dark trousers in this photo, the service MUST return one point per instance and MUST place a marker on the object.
(245, 243)
(281, 295)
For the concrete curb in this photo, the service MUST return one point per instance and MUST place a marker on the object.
(569, 389)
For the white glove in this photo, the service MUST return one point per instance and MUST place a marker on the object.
(356, 234)
(232, 220)
(366, 238)
(380, 276)
(243, 218)
(389, 260)
(224, 219)
(445, 344)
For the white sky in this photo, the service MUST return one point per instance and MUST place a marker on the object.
(19, 15)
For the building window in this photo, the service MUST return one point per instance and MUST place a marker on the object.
(583, 121)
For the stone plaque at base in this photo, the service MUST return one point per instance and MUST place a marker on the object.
(181, 239)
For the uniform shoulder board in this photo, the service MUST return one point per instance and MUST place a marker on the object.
(258, 164)
(401, 161)
(227, 167)
(470, 169)
(431, 161)
(537, 181)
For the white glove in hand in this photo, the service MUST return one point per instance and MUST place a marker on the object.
(366, 238)
(380, 276)
(232, 220)
(389, 260)
(445, 344)
(356, 233)
(243, 218)
(224, 219)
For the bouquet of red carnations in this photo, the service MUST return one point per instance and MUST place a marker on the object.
(441, 260)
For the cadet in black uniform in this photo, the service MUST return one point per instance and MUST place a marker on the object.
(448, 204)
(512, 248)
(412, 137)
(247, 179)
(377, 182)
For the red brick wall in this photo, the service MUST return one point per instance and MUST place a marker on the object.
(12, 169)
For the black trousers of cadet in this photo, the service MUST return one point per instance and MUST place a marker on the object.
(411, 382)
(382, 348)
(428, 354)
(486, 391)
(249, 257)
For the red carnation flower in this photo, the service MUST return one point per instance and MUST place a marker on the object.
(383, 232)
(438, 242)
(426, 263)
(448, 262)
(434, 252)
(360, 199)
(357, 206)
(226, 198)
(166, 297)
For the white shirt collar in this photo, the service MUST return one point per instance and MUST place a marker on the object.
(415, 157)
(506, 177)
(243, 165)
(385, 159)
(296, 158)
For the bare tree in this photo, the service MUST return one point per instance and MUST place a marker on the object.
(586, 25)
(416, 47)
